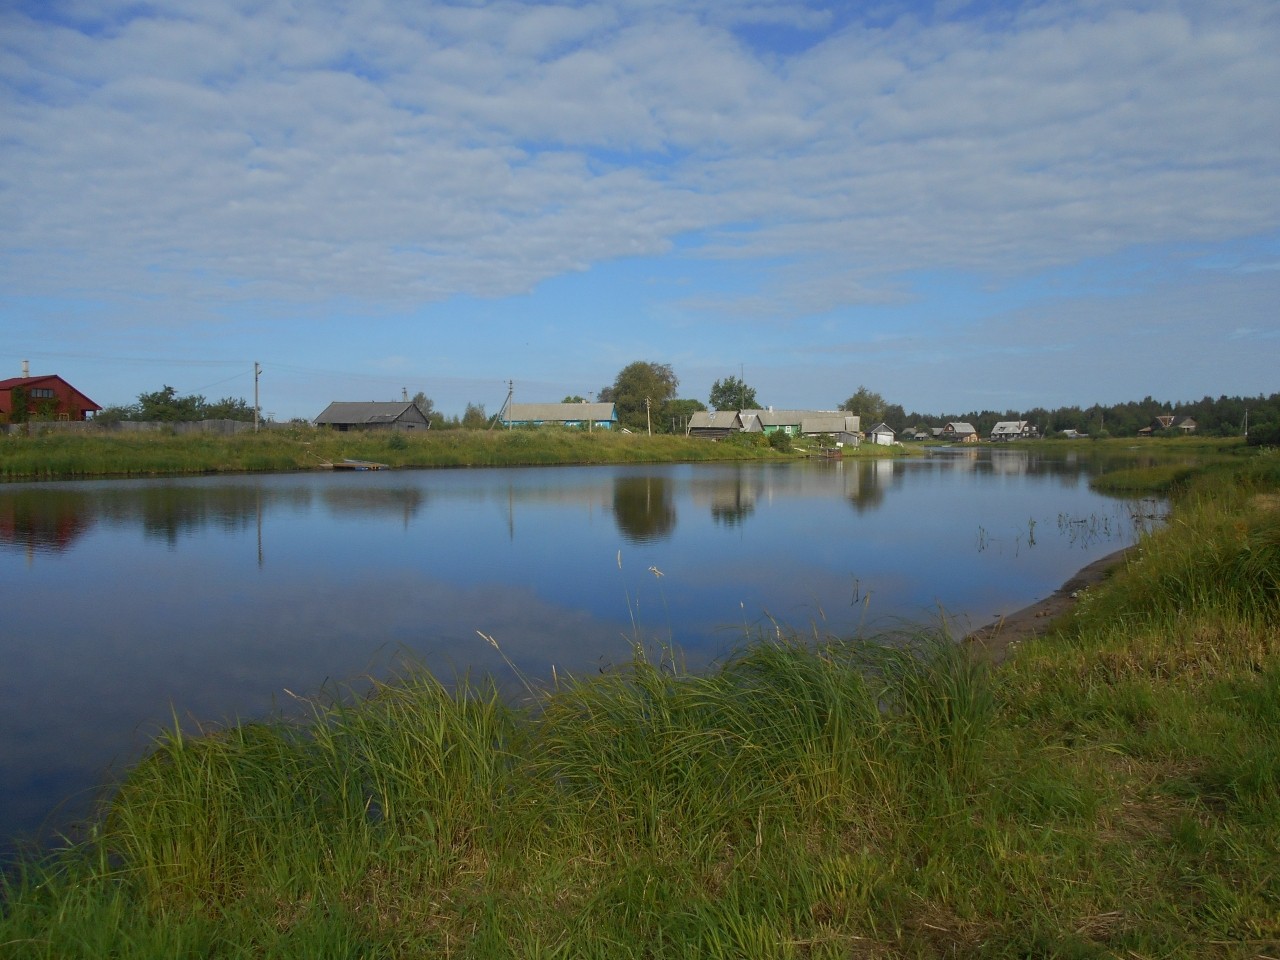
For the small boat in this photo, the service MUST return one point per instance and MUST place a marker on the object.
(358, 465)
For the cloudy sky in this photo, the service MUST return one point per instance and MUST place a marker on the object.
(960, 205)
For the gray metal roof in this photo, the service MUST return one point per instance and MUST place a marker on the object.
(1012, 427)
(830, 423)
(714, 419)
(372, 412)
(782, 418)
(958, 426)
(560, 412)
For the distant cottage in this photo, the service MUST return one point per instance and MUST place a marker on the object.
(718, 424)
(47, 397)
(374, 415)
(1013, 430)
(959, 431)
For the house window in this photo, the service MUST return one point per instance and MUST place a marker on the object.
(41, 393)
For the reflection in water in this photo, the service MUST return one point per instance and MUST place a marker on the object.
(143, 602)
(39, 520)
(643, 508)
(733, 501)
(868, 482)
(402, 502)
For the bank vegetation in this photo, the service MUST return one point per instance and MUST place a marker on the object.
(56, 455)
(1111, 790)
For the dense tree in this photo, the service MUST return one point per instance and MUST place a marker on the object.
(474, 418)
(640, 394)
(732, 393)
(167, 406)
(679, 412)
(574, 399)
(868, 405)
(424, 404)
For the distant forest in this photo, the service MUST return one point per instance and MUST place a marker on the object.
(1223, 417)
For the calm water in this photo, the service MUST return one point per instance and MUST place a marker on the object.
(129, 603)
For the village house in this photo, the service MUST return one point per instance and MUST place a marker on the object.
(1013, 430)
(714, 424)
(589, 415)
(373, 415)
(1184, 425)
(46, 397)
(841, 426)
(959, 432)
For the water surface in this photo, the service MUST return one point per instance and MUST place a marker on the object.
(129, 605)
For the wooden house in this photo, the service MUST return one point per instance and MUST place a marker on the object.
(373, 415)
(957, 431)
(1007, 430)
(46, 397)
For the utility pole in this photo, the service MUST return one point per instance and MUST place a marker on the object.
(647, 421)
(257, 372)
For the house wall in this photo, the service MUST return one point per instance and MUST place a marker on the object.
(68, 403)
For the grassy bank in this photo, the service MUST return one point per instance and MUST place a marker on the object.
(55, 456)
(1111, 791)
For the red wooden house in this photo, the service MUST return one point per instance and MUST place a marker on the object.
(46, 398)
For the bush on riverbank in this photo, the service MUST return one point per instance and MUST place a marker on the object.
(1112, 790)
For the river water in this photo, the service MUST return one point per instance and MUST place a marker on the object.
(131, 605)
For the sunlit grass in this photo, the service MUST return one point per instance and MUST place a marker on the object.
(1112, 790)
(64, 455)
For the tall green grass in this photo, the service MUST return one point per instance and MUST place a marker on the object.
(1113, 790)
(59, 456)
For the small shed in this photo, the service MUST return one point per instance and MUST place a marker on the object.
(882, 434)
(374, 415)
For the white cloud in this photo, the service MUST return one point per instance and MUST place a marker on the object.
(403, 153)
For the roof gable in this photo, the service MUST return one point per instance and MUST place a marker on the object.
(371, 412)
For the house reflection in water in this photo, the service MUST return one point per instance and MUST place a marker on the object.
(43, 521)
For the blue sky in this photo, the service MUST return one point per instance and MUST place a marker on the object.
(958, 205)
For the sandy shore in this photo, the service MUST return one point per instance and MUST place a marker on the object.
(996, 639)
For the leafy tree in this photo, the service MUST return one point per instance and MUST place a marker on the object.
(165, 405)
(574, 399)
(424, 404)
(732, 393)
(228, 408)
(868, 405)
(640, 394)
(679, 411)
(19, 412)
(474, 417)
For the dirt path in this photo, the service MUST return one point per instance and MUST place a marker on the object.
(996, 639)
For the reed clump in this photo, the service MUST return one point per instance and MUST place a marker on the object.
(1111, 790)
